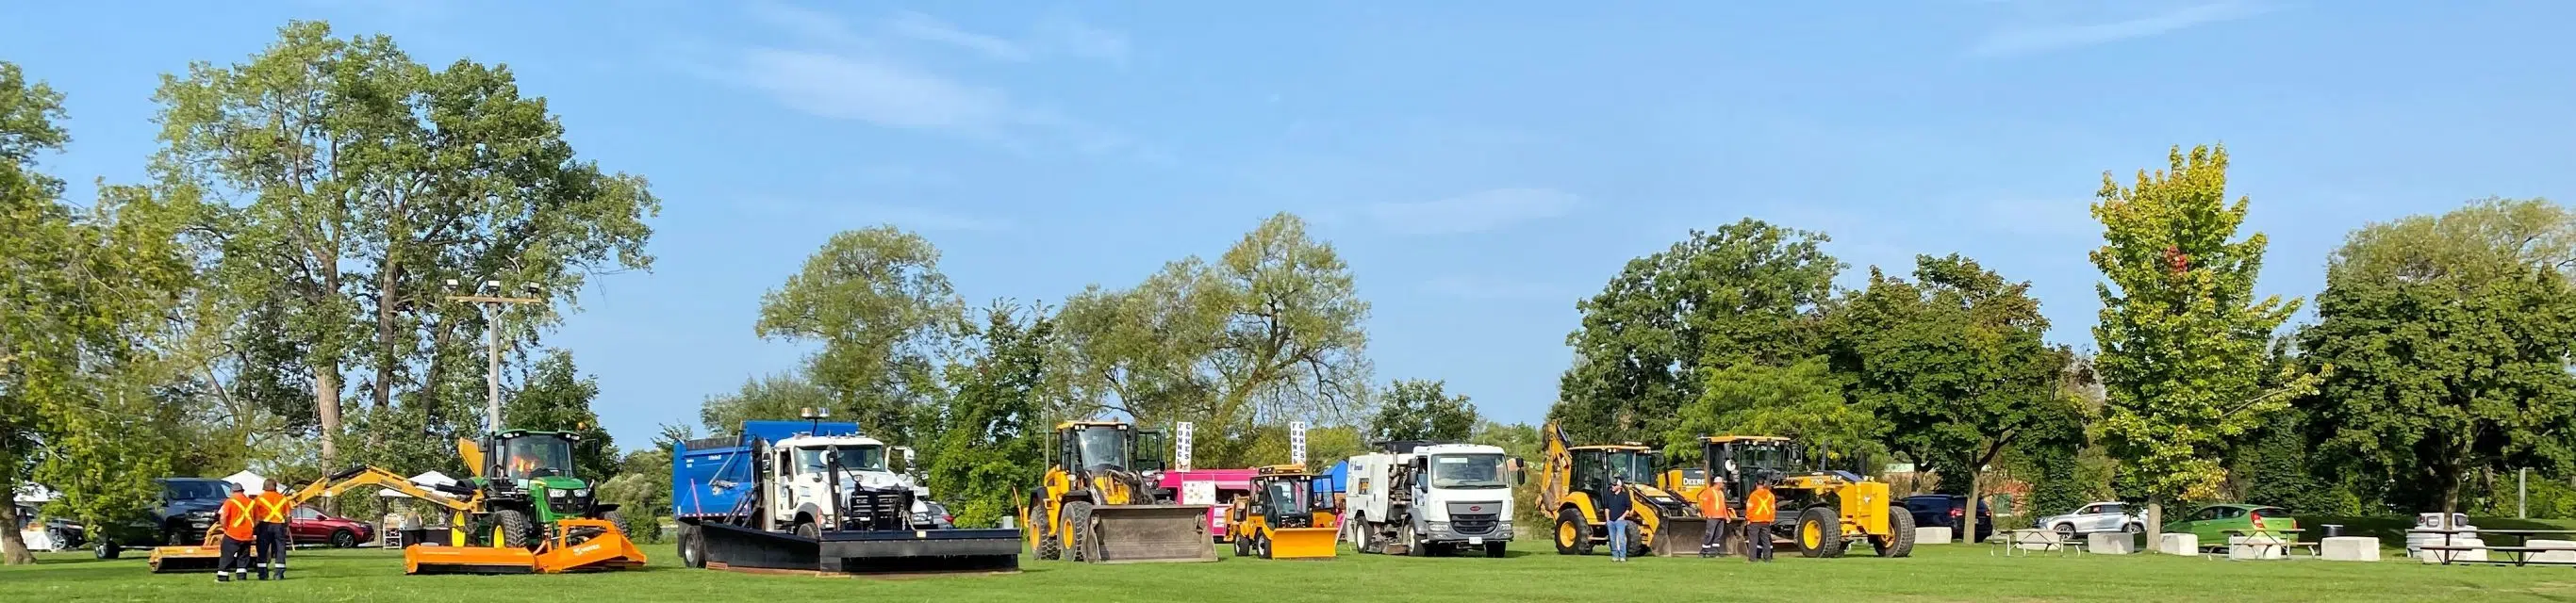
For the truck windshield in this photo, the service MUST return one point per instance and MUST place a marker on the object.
(1770, 457)
(1287, 497)
(536, 456)
(1102, 446)
(1467, 471)
(193, 490)
(853, 458)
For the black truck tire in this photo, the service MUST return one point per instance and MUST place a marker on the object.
(105, 549)
(1899, 541)
(1826, 530)
(693, 547)
(1077, 518)
(1573, 535)
(1043, 539)
(1495, 549)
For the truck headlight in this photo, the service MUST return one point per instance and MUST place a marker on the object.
(1438, 526)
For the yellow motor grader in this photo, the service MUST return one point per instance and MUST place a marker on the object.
(1823, 511)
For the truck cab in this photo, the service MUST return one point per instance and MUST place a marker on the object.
(802, 481)
(1424, 499)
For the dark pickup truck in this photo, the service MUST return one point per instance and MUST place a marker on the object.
(188, 506)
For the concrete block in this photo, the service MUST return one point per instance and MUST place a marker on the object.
(2566, 556)
(2179, 544)
(2258, 546)
(2111, 543)
(1932, 535)
(2349, 548)
(2432, 556)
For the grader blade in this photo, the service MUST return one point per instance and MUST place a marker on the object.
(1150, 534)
(174, 559)
(1303, 543)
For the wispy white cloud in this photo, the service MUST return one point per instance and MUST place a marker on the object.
(1083, 40)
(858, 213)
(2042, 38)
(927, 28)
(870, 89)
(1488, 288)
(1474, 212)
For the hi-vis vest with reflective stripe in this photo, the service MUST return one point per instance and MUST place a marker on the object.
(269, 508)
(236, 519)
(1760, 507)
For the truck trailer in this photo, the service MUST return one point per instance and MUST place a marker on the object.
(1430, 498)
(815, 495)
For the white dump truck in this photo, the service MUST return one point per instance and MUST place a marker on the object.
(1428, 498)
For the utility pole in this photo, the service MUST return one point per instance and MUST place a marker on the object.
(492, 324)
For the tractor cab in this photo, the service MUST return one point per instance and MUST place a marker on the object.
(1285, 496)
(1742, 460)
(1110, 458)
(526, 454)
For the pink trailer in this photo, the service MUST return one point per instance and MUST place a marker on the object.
(1213, 487)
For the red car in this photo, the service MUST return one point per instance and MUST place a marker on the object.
(312, 527)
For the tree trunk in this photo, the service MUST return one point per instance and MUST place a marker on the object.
(385, 356)
(326, 407)
(1968, 511)
(13, 550)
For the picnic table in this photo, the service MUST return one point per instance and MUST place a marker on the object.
(2266, 546)
(2043, 540)
(2520, 554)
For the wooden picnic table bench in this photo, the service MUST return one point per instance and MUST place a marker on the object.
(2046, 540)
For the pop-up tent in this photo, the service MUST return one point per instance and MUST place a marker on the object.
(250, 482)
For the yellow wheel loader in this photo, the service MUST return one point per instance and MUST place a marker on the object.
(1096, 504)
(1282, 518)
(204, 557)
(1575, 478)
(1822, 511)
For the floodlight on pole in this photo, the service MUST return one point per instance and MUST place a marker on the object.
(492, 322)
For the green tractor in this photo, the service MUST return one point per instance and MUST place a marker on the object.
(528, 484)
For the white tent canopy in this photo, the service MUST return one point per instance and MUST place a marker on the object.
(32, 494)
(250, 482)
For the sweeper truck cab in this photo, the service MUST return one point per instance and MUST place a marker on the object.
(1424, 498)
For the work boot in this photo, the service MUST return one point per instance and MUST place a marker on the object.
(223, 577)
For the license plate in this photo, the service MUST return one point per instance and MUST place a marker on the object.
(1475, 540)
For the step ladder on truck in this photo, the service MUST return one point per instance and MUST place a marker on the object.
(816, 496)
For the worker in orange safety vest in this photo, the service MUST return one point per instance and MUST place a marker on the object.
(1760, 509)
(239, 530)
(1712, 507)
(273, 539)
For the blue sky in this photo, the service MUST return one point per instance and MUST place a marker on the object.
(1481, 165)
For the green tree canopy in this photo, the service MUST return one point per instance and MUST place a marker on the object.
(991, 443)
(2183, 336)
(779, 396)
(2449, 339)
(1953, 361)
(1419, 409)
(875, 299)
(555, 396)
(1747, 292)
(1803, 400)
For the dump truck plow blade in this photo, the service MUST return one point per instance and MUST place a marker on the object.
(173, 559)
(1303, 543)
(423, 559)
(1151, 533)
(1677, 537)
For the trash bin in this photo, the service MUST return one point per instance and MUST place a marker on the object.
(2334, 530)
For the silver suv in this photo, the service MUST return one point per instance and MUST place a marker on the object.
(2096, 517)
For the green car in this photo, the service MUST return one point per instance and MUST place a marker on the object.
(2212, 522)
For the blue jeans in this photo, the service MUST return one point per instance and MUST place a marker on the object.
(1619, 540)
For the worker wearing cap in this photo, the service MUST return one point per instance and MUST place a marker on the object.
(273, 539)
(1760, 509)
(239, 530)
(1712, 507)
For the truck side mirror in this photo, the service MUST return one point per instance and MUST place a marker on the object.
(907, 454)
(1519, 470)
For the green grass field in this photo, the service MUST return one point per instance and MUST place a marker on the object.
(1532, 573)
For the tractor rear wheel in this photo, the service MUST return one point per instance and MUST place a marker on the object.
(1820, 533)
(1573, 536)
(1077, 518)
(1899, 540)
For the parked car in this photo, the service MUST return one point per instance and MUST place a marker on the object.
(934, 516)
(2212, 522)
(312, 526)
(186, 508)
(1944, 511)
(2096, 517)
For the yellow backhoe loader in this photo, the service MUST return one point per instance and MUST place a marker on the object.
(1282, 519)
(1097, 506)
(1575, 478)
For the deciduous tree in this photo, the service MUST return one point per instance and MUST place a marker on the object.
(1419, 409)
(875, 300)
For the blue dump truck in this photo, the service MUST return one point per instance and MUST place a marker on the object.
(818, 496)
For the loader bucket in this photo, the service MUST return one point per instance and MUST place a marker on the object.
(1677, 537)
(1150, 533)
(595, 545)
(172, 559)
(424, 559)
(1303, 543)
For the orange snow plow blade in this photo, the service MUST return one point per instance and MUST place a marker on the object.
(425, 559)
(199, 558)
(589, 545)
(1303, 543)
